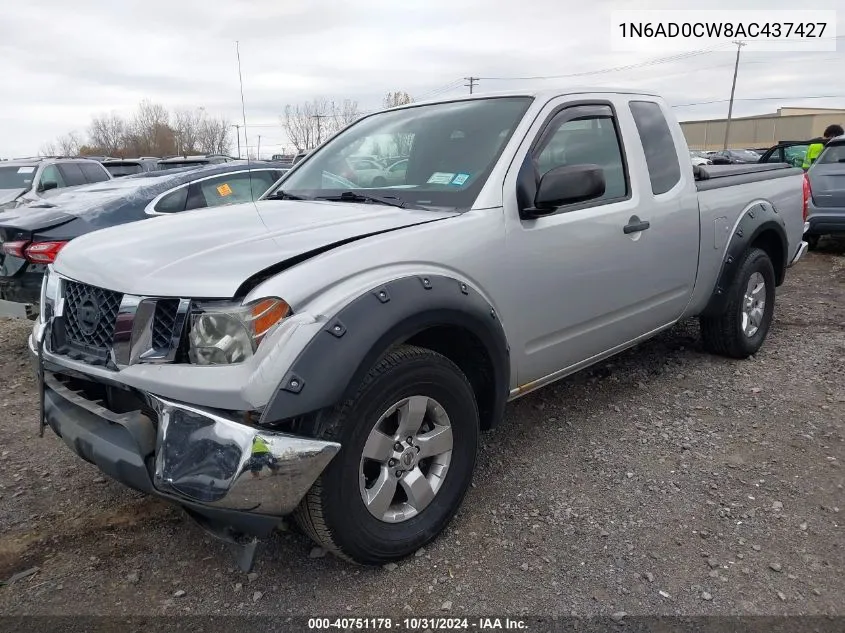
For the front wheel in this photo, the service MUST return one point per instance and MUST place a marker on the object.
(408, 439)
(740, 331)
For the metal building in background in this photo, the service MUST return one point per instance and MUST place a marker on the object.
(764, 130)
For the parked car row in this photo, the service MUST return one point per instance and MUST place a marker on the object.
(31, 236)
(333, 350)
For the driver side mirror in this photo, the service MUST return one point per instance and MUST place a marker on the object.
(47, 185)
(567, 184)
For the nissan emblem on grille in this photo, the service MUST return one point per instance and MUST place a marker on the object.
(88, 314)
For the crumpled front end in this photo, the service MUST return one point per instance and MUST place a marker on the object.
(207, 458)
(213, 462)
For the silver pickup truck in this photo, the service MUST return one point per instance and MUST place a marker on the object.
(333, 351)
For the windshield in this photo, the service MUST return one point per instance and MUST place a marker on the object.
(832, 154)
(123, 170)
(16, 176)
(429, 155)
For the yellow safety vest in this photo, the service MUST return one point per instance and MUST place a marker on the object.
(812, 154)
(259, 446)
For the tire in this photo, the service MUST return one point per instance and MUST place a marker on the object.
(334, 512)
(725, 335)
(812, 241)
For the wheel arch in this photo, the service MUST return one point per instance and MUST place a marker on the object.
(437, 312)
(760, 226)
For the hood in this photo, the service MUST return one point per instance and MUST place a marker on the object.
(7, 195)
(209, 253)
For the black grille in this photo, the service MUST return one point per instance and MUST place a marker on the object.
(163, 322)
(90, 317)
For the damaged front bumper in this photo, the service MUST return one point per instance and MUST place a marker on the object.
(221, 468)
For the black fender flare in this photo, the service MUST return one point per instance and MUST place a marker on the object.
(337, 358)
(755, 220)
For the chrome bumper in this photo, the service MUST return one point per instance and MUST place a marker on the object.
(217, 461)
(199, 457)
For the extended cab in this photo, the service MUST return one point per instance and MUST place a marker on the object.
(332, 351)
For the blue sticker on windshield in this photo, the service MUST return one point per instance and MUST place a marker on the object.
(460, 179)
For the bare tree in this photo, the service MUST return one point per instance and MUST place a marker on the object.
(107, 132)
(214, 136)
(188, 128)
(151, 130)
(343, 114)
(393, 99)
(69, 144)
(401, 142)
(48, 149)
(307, 123)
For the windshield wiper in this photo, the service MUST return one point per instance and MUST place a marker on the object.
(351, 196)
(284, 195)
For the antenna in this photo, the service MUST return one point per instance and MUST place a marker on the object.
(243, 114)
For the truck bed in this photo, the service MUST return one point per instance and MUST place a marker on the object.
(718, 176)
(725, 193)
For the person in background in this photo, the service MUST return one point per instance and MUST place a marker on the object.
(816, 147)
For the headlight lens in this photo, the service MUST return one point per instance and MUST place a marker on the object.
(49, 292)
(223, 333)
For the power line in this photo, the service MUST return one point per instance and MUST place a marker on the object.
(795, 98)
(440, 90)
(652, 62)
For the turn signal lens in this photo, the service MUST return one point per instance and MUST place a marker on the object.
(265, 314)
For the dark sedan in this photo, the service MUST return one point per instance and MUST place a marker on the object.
(32, 236)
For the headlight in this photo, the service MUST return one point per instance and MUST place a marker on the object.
(223, 333)
(49, 293)
(12, 204)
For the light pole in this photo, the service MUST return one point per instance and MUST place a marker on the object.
(739, 46)
(238, 131)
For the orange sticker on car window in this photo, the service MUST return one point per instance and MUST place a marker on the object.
(224, 190)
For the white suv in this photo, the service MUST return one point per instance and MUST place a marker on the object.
(26, 180)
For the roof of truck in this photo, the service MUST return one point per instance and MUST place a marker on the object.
(541, 94)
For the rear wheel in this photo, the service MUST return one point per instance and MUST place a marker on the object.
(409, 439)
(740, 331)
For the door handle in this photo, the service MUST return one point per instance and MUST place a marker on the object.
(635, 225)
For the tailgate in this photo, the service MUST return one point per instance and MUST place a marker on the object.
(827, 182)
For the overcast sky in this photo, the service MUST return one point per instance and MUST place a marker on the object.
(64, 62)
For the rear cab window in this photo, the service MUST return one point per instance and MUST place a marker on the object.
(661, 153)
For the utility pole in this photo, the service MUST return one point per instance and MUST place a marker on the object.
(472, 81)
(258, 157)
(238, 130)
(739, 45)
(319, 118)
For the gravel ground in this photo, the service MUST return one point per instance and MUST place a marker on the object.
(665, 481)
